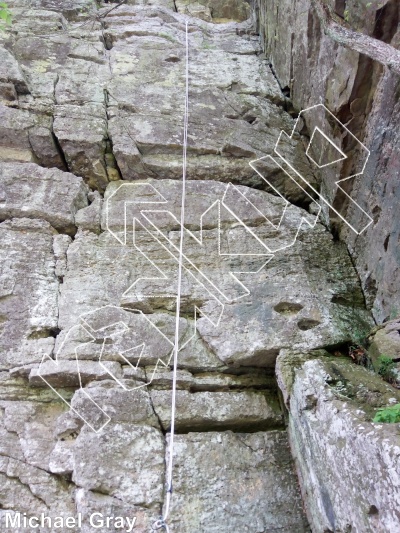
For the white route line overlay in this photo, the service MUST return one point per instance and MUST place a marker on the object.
(337, 183)
(89, 331)
(171, 248)
(196, 274)
(160, 362)
(343, 155)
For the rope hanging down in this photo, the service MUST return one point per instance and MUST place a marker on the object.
(162, 522)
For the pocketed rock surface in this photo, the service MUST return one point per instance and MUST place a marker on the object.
(91, 132)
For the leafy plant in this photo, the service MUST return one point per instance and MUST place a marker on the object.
(5, 14)
(389, 415)
(346, 15)
(386, 367)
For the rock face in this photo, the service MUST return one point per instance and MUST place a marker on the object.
(92, 101)
(221, 495)
(28, 294)
(329, 407)
(29, 191)
(362, 94)
(385, 343)
(348, 466)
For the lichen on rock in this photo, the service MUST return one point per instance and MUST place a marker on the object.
(273, 432)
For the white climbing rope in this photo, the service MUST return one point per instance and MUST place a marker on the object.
(162, 522)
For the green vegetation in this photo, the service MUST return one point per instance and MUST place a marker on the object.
(386, 367)
(359, 344)
(389, 415)
(359, 337)
(5, 15)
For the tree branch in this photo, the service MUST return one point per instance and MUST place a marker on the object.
(363, 44)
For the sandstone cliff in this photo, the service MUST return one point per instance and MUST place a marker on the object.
(274, 432)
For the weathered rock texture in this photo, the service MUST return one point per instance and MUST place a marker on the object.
(92, 103)
(385, 342)
(258, 463)
(317, 58)
(314, 68)
(348, 466)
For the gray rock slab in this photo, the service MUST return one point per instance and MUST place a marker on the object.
(293, 300)
(34, 423)
(209, 381)
(385, 341)
(10, 71)
(28, 290)
(14, 144)
(219, 478)
(132, 465)
(65, 373)
(88, 503)
(233, 113)
(14, 388)
(88, 218)
(81, 131)
(31, 191)
(339, 452)
(206, 411)
(123, 406)
(34, 489)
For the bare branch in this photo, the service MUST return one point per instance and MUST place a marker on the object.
(363, 44)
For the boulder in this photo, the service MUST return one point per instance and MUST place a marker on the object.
(347, 465)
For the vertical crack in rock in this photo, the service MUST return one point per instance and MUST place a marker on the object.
(110, 161)
(152, 405)
(322, 391)
(106, 98)
(56, 140)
